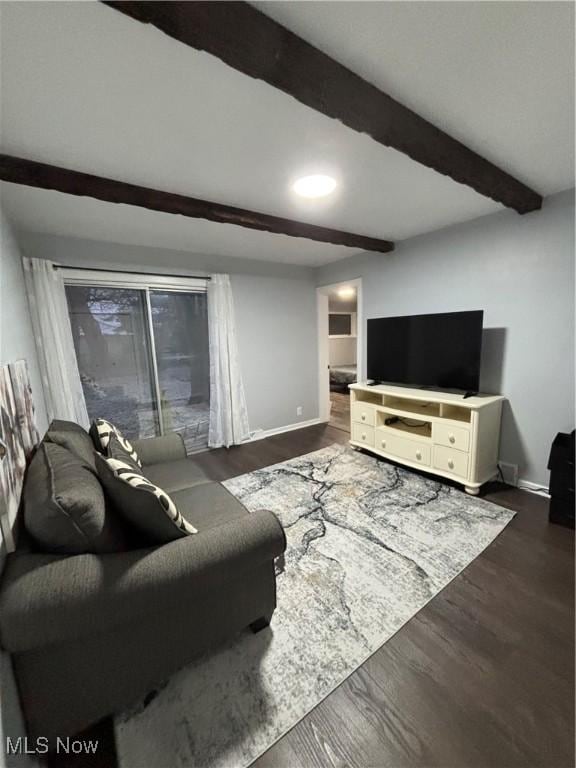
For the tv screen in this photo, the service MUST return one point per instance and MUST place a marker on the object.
(440, 350)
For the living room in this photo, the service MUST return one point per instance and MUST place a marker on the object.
(287, 359)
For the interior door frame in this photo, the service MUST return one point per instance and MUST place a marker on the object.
(146, 283)
(322, 292)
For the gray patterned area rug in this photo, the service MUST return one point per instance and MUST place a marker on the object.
(369, 545)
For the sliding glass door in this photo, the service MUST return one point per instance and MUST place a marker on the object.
(180, 331)
(143, 358)
(110, 330)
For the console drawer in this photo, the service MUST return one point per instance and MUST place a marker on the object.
(363, 434)
(363, 414)
(451, 437)
(448, 460)
(404, 448)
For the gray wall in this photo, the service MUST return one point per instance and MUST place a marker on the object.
(276, 325)
(520, 271)
(79, 252)
(16, 338)
(275, 315)
(16, 342)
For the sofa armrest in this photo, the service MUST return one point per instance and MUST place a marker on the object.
(153, 450)
(48, 600)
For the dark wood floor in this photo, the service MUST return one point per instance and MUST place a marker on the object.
(340, 410)
(482, 677)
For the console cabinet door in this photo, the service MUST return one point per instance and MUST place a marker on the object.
(363, 434)
(451, 437)
(363, 413)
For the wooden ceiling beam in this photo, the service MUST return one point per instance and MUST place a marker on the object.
(30, 173)
(251, 42)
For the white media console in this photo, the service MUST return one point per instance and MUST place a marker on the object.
(438, 432)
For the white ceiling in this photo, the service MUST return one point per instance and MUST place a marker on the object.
(88, 88)
(498, 76)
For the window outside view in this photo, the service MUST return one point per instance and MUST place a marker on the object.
(121, 379)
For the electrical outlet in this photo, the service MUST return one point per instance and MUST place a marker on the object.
(509, 473)
(299, 410)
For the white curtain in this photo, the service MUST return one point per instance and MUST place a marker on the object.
(54, 342)
(228, 412)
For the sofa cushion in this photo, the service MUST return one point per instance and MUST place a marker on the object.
(142, 503)
(176, 475)
(65, 509)
(159, 449)
(73, 437)
(208, 505)
(101, 431)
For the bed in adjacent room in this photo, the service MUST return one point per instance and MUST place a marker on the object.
(341, 376)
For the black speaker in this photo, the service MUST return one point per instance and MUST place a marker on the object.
(562, 468)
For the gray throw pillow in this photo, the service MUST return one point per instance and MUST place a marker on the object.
(146, 506)
(65, 509)
(73, 437)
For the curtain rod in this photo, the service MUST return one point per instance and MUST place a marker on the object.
(129, 272)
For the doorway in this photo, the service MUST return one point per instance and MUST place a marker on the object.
(340, 343)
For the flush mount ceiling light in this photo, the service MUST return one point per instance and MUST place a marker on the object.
(346, 292)
(314, 186)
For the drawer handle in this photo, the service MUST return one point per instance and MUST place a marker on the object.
(451, 464)
(452, 438)
(383, 443)
(418, 455)
(363, 417)
(363, 435)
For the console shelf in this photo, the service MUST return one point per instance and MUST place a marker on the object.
(439, 432)
(421, 431)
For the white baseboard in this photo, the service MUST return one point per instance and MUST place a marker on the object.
(508, 473)
(261, 434)
(528, 485)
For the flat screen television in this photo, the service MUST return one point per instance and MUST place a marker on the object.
(441, 351)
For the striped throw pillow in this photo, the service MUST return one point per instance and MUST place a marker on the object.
(102, 431)
(143, 504)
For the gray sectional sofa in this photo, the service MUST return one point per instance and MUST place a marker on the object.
(91, 633)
